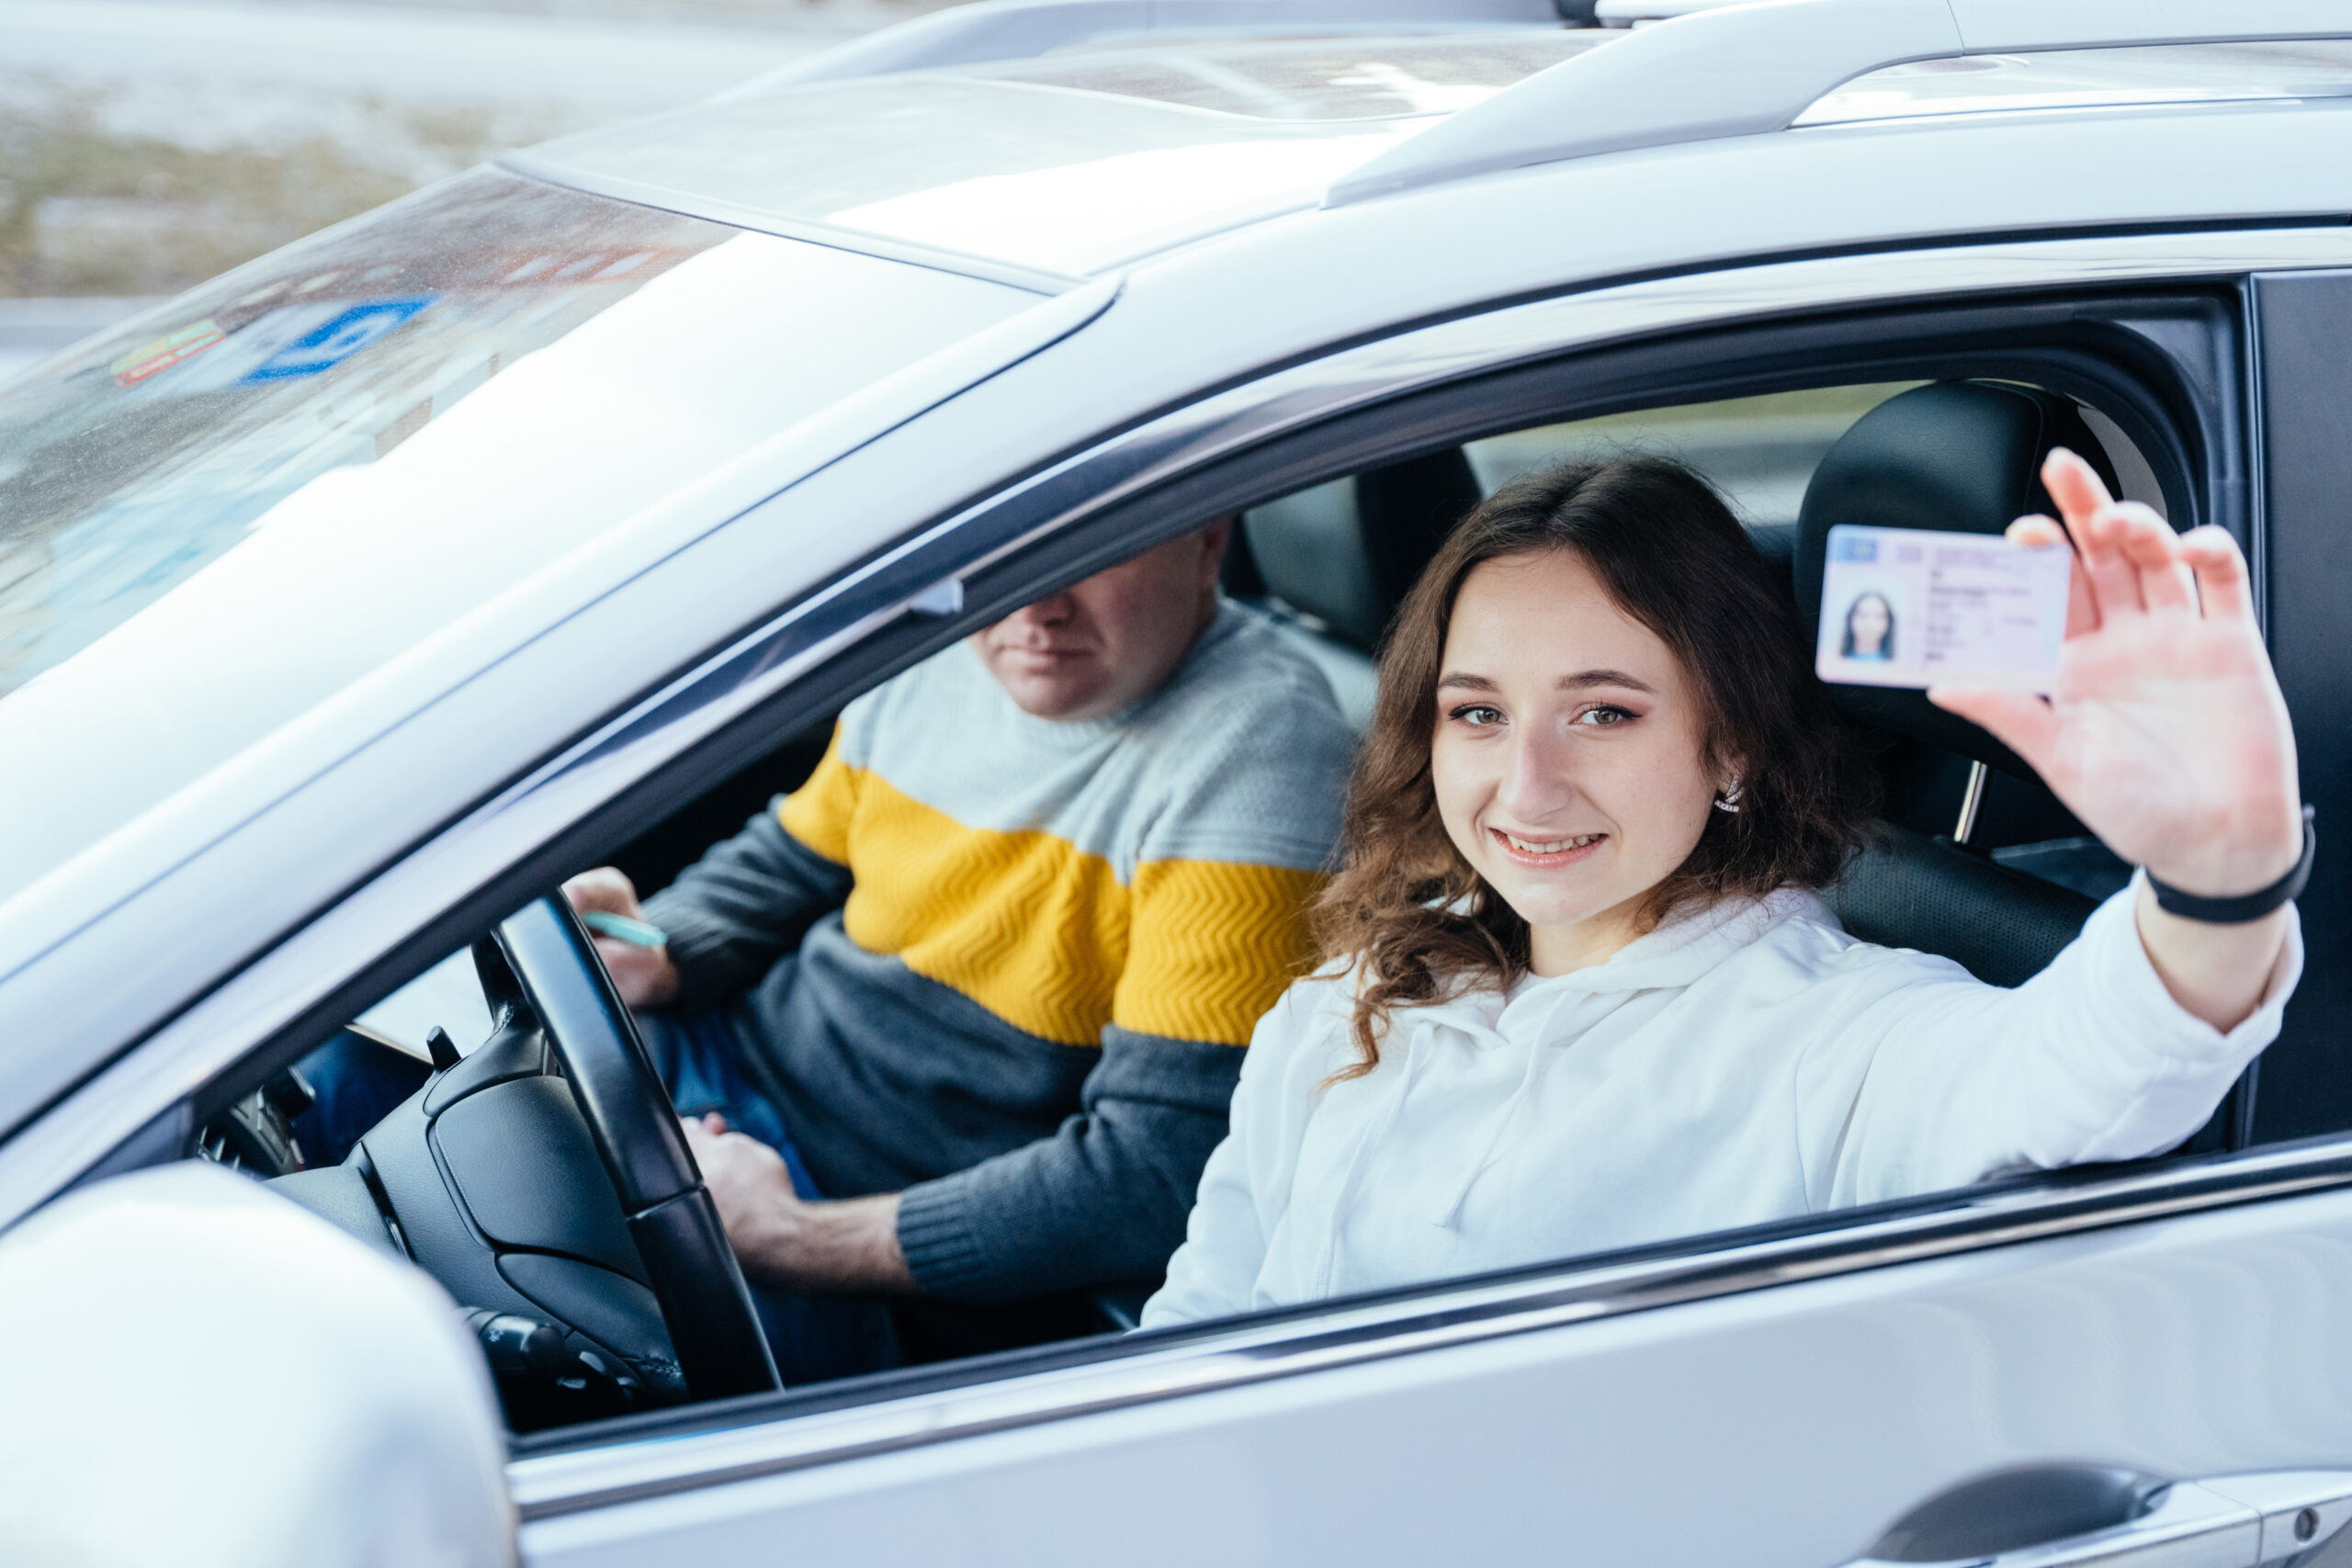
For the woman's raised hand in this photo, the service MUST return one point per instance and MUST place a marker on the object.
(2167, 735)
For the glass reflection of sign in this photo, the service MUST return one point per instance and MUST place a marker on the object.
(337, 339)
(165, 352)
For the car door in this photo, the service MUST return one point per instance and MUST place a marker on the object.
(2149, 1355)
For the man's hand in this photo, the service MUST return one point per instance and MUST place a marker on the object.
(644, 976)
(2167, 735)
(781, 1239)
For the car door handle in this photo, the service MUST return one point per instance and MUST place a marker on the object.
(2062, 1515)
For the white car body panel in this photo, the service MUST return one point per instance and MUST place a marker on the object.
(208, 1376)
(1785, 1427)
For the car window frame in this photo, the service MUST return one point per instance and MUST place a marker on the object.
(2302, 376)
(1296, 426)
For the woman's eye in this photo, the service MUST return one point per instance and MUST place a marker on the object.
(1605, 715)
(1478, 714)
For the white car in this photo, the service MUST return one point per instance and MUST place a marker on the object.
(350, 602)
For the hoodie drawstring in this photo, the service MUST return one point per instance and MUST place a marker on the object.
(1490, 1145)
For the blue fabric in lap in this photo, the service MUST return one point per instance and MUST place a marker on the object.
(814, 1338)
(699, 1059)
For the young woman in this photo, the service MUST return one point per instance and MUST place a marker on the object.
(1581, 993)
(1869, 628)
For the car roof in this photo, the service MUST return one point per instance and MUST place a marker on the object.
(1063, 167)
(1084, 153)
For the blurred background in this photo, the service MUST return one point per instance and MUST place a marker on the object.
(146, 145)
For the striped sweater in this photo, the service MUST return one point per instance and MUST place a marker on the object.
(1007, 964)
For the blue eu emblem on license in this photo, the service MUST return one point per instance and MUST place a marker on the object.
(336, 340)
(1845, 546)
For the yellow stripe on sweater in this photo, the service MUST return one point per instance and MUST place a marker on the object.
(1042, 934)
(1214, 943)
(819, 812)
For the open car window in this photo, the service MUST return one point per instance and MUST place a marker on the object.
(1317, 574)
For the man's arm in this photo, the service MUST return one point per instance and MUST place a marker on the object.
(746, 903)
(817, 1248)
(1104, 1199)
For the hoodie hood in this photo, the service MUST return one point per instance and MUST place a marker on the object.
(1683, 951)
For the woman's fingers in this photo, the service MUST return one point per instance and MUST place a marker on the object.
(2222, 584)
(2083, 501)
(2114, 578)
(2018, 721)
(2039, 532)
(2148, 542)
(2131, 558)
(2075, 486)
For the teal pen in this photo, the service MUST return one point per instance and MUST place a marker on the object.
(637, 933)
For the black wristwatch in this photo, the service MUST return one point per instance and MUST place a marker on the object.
(2247, 907)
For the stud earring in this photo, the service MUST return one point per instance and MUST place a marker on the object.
(1729, 799)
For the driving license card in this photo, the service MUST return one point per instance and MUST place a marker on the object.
(1908, 607)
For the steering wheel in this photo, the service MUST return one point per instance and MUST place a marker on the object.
(539, 963)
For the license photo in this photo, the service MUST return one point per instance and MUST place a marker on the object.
(1909, 607)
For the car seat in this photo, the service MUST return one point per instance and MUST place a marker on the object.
(1334, 561)
(1962, 456)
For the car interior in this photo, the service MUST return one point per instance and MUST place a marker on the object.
(490, 1176)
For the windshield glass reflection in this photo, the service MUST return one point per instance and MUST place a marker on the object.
(240, 506)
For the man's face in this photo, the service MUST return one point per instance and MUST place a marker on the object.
(1102, 643)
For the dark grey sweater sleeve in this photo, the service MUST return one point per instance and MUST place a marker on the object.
(745, 904)
(1104, 1199)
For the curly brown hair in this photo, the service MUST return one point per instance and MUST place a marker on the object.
(1409, 914)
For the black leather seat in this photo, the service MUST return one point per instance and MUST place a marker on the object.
(1343, 555)
(1963, 456)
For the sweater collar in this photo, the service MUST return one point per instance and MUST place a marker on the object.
(1077, 735)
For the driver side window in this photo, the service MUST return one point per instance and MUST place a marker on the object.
(966, 969)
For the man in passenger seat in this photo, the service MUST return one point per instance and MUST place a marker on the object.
(969, 1006)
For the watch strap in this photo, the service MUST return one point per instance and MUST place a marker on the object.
(2245, 906)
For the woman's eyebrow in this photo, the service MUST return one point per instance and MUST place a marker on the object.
(1604, 678)
(1464, 682)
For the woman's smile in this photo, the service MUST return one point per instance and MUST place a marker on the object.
(1547, 854)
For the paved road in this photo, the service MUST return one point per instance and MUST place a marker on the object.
(593, 67)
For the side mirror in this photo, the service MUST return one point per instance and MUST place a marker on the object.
(202, 1372)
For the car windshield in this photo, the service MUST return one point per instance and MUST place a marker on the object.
(240, 504)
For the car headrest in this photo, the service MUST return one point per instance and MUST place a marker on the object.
(1962, 457)
(1349, 551)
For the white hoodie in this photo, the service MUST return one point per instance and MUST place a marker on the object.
(1745, 1063)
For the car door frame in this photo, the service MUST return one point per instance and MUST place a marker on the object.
(1068, 518)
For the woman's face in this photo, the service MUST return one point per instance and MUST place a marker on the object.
(1868, 622)
(1567, 753)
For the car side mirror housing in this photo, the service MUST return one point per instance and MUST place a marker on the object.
(203, 1373)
